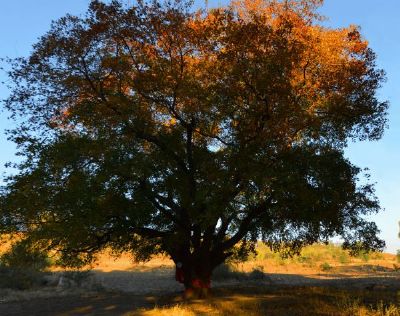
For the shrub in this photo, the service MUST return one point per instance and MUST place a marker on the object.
(325, 266)
(77, 277)
(257, 274)
(226, 271)
(364, 256)
(304, 259)
(20, 279)
(23, 267)
(23, 257)
(263, 252)
(398, 256)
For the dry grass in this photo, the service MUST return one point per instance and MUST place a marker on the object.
(107, 263)
(312, 260)
(285, 301)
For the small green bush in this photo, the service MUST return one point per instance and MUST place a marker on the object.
(304, 259)
(398, 256)
(325, 266)
(364, 256)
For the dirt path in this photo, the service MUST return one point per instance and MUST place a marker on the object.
(104, 304)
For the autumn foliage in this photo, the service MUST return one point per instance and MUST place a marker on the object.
(158, 128)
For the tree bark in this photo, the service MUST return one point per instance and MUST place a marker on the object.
(194, 272)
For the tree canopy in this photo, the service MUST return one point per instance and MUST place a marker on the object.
(158, 128)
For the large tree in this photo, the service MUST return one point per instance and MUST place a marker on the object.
(157, 128)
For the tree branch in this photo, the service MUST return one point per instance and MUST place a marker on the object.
(244, 225)
(155, 198)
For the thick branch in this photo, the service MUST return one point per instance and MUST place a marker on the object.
(190, 160)
(156, 198)
(244, 226)
(149, 232)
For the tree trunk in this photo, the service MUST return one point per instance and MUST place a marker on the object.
(196, 275)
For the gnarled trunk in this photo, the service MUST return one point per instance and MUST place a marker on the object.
(194, 272)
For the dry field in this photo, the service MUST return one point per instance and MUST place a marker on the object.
(324, 280)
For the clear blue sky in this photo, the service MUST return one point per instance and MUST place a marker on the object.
(23, 21)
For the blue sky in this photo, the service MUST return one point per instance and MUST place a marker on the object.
(380, 26)
(23, 21)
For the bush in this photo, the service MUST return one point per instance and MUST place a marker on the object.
(304, 259)
(364, 256)
(398, 256)
(23, 267)
(257, 274)
(23, 257)
(77, 277)
(20, 279)
(325, 266)
(226, 272)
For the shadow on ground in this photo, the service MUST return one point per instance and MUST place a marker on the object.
(275, 294)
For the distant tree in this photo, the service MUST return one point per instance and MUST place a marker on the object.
(156, 129)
